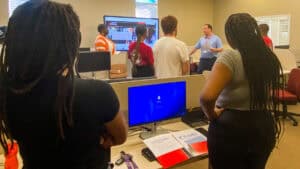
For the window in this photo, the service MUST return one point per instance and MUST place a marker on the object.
(13, 4)
(279, 28)
(146, 8)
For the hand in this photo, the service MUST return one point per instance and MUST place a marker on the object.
(213, 49)
(106, 141)
(219, 111)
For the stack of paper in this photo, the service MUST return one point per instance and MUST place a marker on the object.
(173, 148)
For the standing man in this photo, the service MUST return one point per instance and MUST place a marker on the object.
(171, 57)
(102, 43)
(210, 46)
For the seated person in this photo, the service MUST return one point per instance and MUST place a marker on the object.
(141, 55)
(102, 43)
(58, 121)
(171, 57)
(264, 30)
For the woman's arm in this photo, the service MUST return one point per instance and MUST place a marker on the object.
(219, 77)
(116, 131)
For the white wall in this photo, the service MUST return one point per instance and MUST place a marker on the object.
(191, 15)
(224, 8)
(90, 13)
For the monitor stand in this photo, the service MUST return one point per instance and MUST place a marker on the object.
(154, 132)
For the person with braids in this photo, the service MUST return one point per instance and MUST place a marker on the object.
(238, 99)
(141, 55)
(57, 120)
(171, 58)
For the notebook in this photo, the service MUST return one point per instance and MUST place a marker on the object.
(176, 147)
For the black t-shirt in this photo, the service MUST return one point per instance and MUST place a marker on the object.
(33, 124)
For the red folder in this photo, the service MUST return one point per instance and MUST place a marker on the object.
(200, 147)
(172, 158)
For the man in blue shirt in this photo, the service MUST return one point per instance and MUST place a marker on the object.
(210, 46)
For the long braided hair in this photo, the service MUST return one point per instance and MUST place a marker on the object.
(140, 31)
(42, 42)
(262, 67)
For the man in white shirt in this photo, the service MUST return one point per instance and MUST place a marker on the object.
(171, 57)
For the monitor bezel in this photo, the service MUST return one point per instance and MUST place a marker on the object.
(158, 121)
(132, 17)
(94, 61)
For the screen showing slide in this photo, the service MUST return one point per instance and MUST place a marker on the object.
(122, 30)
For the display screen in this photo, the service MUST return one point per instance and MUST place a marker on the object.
(157, 102)
(122, 30)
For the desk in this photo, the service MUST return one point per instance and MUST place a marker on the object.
(134, 145)
(286, 72)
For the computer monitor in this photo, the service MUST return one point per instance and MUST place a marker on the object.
(93, 61)
(122, 30)
(156, 102)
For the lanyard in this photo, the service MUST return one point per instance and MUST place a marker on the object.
(128, 160)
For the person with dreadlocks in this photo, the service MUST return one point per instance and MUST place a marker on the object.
(58, 121)
(238, 99)
(140, 54)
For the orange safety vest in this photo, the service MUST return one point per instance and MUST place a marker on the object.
(102, 44)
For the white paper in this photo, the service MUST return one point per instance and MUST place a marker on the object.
(162, 144)
(188, 137)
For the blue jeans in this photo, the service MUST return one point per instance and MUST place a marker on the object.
(206, 64)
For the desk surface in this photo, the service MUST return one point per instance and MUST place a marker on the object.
(134, 145)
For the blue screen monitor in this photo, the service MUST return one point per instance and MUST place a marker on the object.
(156, 102)
(122, 30)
